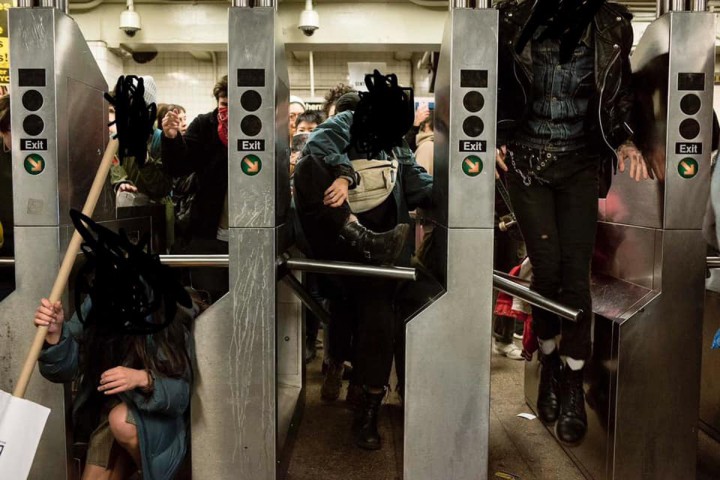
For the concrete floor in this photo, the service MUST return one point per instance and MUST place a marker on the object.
(519, 448)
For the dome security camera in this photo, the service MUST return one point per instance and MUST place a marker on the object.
(309, 20)
(130, 21)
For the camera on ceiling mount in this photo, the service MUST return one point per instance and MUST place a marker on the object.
(309, 19)
(130, 20)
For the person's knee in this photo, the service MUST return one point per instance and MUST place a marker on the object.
(125, 433)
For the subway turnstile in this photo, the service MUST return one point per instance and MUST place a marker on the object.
(59, 126)
(249, 384)
(249, 344)
(642, 382)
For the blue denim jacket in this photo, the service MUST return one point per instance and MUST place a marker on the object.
(560, 96)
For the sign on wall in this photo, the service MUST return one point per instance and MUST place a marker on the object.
(4, 48)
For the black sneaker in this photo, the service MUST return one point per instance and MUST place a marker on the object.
(548, 402)
(572, 423)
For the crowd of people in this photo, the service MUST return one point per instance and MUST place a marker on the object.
(361, 175)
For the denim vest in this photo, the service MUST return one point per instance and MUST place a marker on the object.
(560, 96)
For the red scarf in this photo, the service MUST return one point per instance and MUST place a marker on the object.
(223, 125)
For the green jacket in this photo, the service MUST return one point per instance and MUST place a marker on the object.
(150, 179)
(161, 417)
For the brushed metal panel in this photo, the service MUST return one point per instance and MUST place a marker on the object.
(709, 386)
(692, 50)
(471, 203)
(626, 252)
(32, 33)
(261, 200)
(236, 387)
(451, 441)
(36, 250)
(82, 137)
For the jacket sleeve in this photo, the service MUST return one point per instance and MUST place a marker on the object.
(171, 397)
(625, 125)
(329, 142)
(59, 363)
(150, 179)
(416, 182)
(186, 154)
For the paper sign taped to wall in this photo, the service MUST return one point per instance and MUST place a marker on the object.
(21, 426)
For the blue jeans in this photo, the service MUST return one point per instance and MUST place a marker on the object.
(557, 215)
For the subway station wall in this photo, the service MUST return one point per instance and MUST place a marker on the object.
(184, 79)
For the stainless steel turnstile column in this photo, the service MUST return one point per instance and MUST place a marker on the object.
(642, 382)
(448, 344)
(59, 126)
(249, 343)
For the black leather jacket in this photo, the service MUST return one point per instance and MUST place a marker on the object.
(609, 118)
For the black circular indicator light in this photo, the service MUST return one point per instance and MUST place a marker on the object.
(251, 125)
(689, 128)
(690, 104)
(251, 100)
(33, 125)
(32, 100)
(473, 126)
(473, 102)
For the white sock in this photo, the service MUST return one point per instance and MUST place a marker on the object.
(574, 363)
(547, 346)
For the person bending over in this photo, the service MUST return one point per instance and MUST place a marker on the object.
(334, 160)
(564, 122)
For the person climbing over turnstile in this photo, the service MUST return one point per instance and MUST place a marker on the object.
(564, 123)
(341, 226)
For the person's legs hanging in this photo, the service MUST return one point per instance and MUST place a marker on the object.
(576, 203)
(535, 210)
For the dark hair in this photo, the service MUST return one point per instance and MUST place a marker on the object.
(310, 116)
(221, 88)
(349, 101)
(163, 108)
(5, 113)
(333, 95)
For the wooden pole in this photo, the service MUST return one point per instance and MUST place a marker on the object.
(65, 268)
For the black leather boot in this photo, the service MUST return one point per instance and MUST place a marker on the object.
(548, 403)
(572, 423)
(379, 248)
(366, 418)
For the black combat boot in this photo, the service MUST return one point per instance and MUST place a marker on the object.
(572, 424)
(548, 403)
(379, 248)
(366, 419)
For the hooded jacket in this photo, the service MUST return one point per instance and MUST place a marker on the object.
(609, 120)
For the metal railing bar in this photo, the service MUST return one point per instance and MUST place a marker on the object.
(515, 289)
(341, 268)
(307, 299)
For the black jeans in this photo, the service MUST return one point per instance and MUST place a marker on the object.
(557, 214)
(214, 281)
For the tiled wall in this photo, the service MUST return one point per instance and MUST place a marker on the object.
(110, 64)
(183, 79)
(331, 68)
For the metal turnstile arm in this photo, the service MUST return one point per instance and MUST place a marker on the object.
(507, 284)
